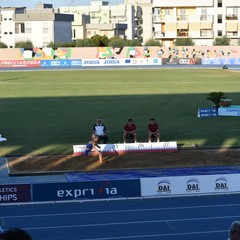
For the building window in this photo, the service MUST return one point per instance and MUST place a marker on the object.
(10, 33)
(22, 28)
(74, 33)
(5, 33)
(219, 18)
(5, 19)
(167, 12)
(206, 33)
(219, 3)
(28, 30)
(219, 33)
(45, 30)
(10, 19)
(156, 11)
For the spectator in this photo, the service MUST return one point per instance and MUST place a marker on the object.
(234, 232)
(153, 130)
(130, 131)
(92, 149)
(15, 234)
(99, 130)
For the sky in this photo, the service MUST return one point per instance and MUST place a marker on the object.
(56, 3)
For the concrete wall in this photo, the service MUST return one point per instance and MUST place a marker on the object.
(125, 52)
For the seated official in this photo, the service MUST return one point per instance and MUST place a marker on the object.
(153, 130)
(100, 130)
(130, 131)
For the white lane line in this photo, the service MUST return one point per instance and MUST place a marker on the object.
(121, 211)
(131, 223)
(156, 235)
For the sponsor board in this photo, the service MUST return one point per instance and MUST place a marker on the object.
(121, 62)
(233, 111)
(15, 193)
(181, 61)
(207, 112)
(130, 147)
(86, 190)
(61, 63)
(221, 61)
(143, 61)
(189, 185)
(19, 63)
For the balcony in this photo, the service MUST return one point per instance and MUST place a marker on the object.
(182, 33)
(159, 34)
(208, 18)
(206, 33)
(158, 18)
(182, 17)
(232, 34)
(231, 17)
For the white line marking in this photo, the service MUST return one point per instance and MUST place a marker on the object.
(156, 235)
(121, 211)
(132, 222)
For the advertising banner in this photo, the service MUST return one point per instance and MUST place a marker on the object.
(188, 185)
(19, 63)
(121, 62)
(221, 61)
(181, 61)
(15, 193)
(61, 63)
(207, 112)
(86, 190)
(143, 61)
(120, 148)
(233, 111)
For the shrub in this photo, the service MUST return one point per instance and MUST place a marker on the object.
(116, 42)
(3, 45)
(153, 42)
(100, 41)
(184, 42)
(60, 44)
(24, 44)
(223, 41)
(84, 43)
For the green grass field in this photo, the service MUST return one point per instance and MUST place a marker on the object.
(46, 112)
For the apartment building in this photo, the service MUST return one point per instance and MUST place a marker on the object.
(40, 26)
(103, 19)
(202, 20)
(143, 19)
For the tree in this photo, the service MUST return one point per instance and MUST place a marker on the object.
(24, 44)
(153, 42)
(184, 42)
(3, 45)
(215, 97)
(223, 41)
(100, 41)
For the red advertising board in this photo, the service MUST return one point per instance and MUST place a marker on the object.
(19, 63)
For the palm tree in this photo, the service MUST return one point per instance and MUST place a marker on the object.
(215, 97)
